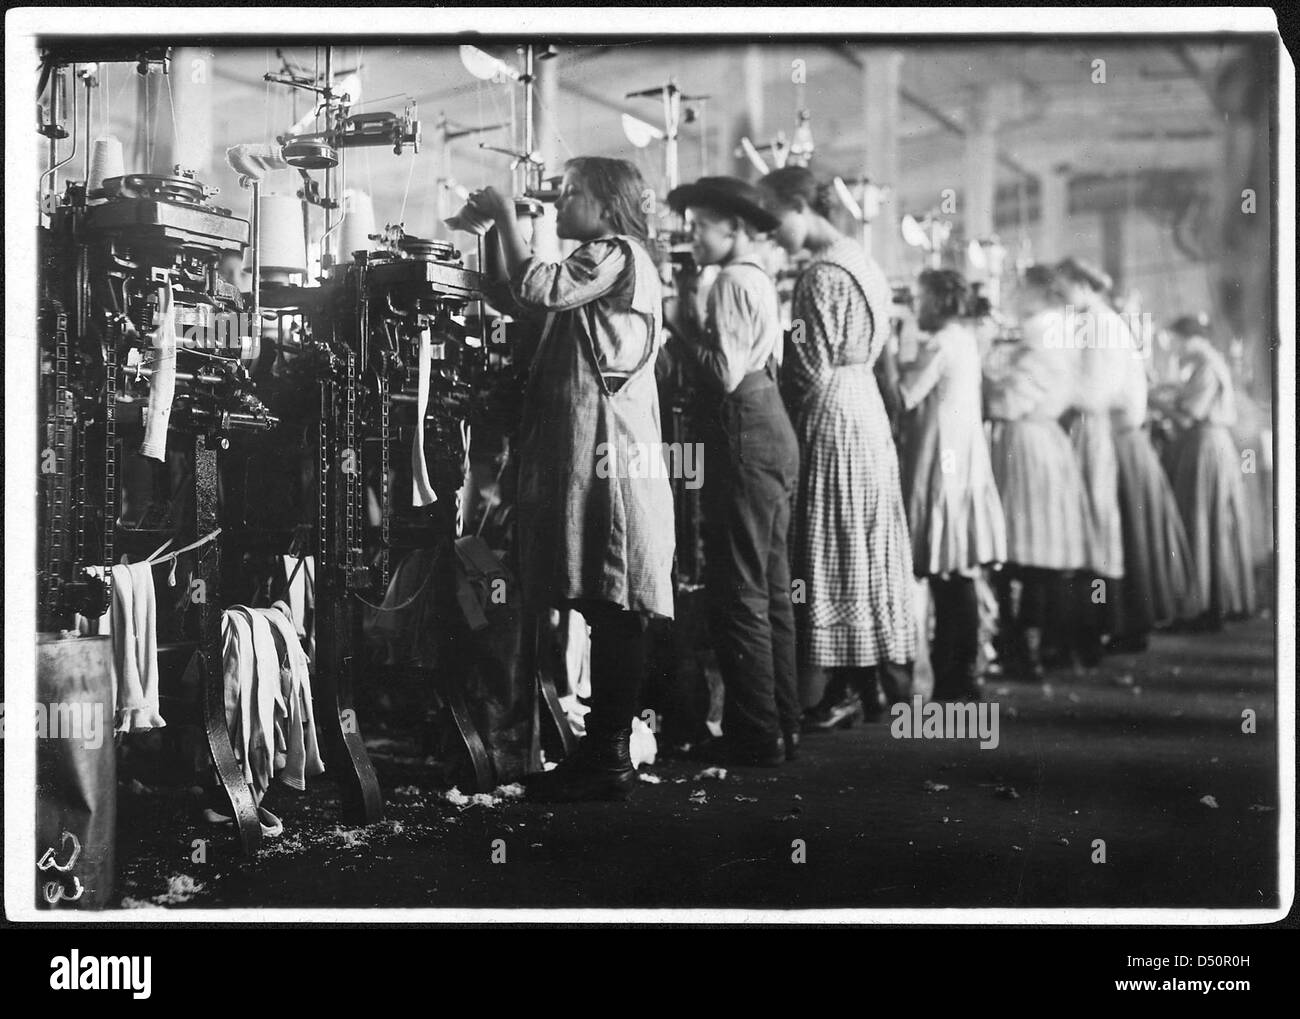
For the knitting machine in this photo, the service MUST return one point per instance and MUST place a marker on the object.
(384, 348)
(137, 324)
(130, 271)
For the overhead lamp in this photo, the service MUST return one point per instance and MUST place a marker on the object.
(987, 255)
(752, 154)
(847, 199)
(639, 133)
(485, 66)
(913, 233)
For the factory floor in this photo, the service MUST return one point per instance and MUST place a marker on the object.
(1146, 753)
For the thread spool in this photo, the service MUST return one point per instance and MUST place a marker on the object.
(358, 225)
(283, 247)
(105, 162)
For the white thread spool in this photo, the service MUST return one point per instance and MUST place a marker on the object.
(105, 162)
(283, 247)
(358, 225)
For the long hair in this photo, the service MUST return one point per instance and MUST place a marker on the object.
(789, 186)
(952, 296)
(620, 188)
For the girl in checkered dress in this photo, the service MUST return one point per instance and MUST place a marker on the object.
(849, 545)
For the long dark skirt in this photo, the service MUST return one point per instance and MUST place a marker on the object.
(1160, 586)
(1212, 501)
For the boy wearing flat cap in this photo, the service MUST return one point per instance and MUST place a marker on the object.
(751, 463)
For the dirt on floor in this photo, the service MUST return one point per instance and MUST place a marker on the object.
(1133, 784)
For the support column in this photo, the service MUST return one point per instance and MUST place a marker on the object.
(881, 79)
(546, 242)
(1054, 214)
(753, 78)
(980, 178)
(749, 124)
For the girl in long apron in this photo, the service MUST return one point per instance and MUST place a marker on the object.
(1207, 478)
(595, 527)
(953, 509)
(1103, 346)
(1159, 587)
(1037, 477)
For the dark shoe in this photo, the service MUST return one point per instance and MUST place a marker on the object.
(839, 714)
(721, 750)
(599, 769)
(791, 740)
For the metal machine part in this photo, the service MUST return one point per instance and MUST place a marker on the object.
(152, 245)
(310, 154)
(104, 269)
(359, 341)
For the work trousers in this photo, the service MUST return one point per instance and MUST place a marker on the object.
(751, 467)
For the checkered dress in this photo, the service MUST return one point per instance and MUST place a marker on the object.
(849, 541)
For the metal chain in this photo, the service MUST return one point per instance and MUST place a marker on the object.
(323, 480)
(350, 479)
(80, 472)
(56, 535)
(110, 458)
(385, 495)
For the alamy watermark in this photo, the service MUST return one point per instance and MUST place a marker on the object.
(204, 328)
(1084, 329)
(77, 972)
(674, 460)
(951, 720)
(83, 720)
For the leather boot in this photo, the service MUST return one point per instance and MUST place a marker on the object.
(599, 769)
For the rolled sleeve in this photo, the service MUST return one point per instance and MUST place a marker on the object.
(590, 272)
(729, 333)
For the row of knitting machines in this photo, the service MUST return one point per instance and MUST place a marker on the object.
(293, 395)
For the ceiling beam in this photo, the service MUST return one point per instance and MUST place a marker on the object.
(1185, 58)
(917, 103)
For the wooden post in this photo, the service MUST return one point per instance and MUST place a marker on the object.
(881, 78)
(981, 162)
(1054, 214)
